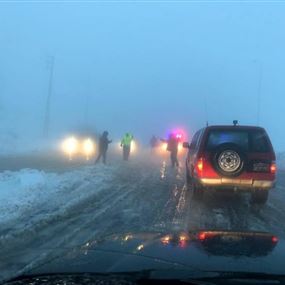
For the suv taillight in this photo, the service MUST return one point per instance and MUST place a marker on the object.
(200, 165)
(273, 168)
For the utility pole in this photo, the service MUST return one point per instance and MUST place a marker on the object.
(47, 111)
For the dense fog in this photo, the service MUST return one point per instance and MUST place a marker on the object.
(143, 67)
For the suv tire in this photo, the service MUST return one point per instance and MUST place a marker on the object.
(259, 196)
(228, 160)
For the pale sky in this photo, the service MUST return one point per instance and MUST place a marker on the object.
(141, 66)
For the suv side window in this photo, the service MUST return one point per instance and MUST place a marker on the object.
(194, 141)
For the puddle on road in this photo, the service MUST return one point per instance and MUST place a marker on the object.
(179, 173)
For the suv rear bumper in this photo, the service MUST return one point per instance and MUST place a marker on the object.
(246, 184)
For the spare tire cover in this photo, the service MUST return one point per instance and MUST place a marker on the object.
(228, 159)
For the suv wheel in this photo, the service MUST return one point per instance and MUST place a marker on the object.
(228, 160)
(259, 196)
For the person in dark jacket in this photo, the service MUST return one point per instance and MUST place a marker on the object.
(153, 143)
(103, 147)
(172, 147)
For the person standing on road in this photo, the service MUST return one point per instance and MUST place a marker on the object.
(126, 144)
(172, 147)
(103, 147)
(153, 143)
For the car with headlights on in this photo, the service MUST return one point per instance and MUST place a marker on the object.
(231, 157)
(79, 144)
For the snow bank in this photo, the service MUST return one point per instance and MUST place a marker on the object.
(14, 187)
(28, 195)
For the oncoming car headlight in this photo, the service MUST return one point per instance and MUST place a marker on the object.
(88, 148)
(163, 147)
(133, 147)
(70, 146)
(180, 147)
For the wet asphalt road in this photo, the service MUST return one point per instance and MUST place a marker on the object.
(145, 195)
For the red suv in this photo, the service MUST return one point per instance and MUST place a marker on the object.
(239, 158)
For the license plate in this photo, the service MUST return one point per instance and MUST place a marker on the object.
(260, 167)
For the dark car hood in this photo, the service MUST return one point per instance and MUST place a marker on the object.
(205, 251)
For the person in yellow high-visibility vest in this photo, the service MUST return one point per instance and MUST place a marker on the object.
(126, 144)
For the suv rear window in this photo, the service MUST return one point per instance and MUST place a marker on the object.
(247, 140)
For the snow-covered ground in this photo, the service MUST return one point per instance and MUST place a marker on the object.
(30, 193)
(42, 212)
